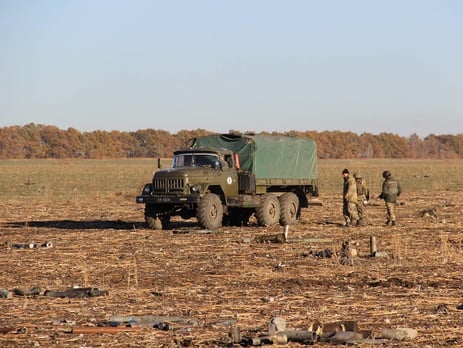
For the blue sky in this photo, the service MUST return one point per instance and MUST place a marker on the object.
(364, 66)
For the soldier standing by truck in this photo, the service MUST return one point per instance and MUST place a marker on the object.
(349, 200)
(363, 195)
(390, 190)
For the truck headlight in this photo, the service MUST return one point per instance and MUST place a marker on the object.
(147, 189)
(195, 189)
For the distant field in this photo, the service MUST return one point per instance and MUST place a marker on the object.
(65, 180)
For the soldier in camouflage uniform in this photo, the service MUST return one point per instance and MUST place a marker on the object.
(391, 189)
(363, 195)
(349, 199)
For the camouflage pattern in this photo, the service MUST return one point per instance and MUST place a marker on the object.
(350, 200)
(363, 194)
(391, 189)
(390, 212)
(349, 192)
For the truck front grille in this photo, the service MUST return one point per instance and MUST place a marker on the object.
(168, 185)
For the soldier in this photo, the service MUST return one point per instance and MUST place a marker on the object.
(363, 195)
(391, 189)
(349, 199)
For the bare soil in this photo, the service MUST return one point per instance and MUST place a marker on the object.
(226, 277)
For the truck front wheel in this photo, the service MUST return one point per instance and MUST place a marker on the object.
(290, 210)
(210, 212)
(153, 223)
(268, 212)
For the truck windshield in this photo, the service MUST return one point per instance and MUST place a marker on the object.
(196, 160)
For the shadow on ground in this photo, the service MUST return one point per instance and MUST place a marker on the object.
(91, 224)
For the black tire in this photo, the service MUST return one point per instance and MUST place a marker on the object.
(153, 223)
(290, 209)
(165, 221)
(153, 220)
(210, 212)
(268, 212)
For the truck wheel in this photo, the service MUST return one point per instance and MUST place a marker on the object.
(165, 221)
(290, 210)
(268, 212)
(153, 223)
(210, 212)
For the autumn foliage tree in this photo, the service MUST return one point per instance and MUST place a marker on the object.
(44, 141)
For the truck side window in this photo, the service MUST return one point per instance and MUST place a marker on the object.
(228, 161)
(187, 159)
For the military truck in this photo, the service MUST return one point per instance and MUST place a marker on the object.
(227, 178)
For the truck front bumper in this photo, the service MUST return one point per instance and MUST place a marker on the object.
(174, 200)
(149, 197)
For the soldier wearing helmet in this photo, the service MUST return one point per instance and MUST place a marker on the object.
(349, 200)
(390, 190)
(363, 195)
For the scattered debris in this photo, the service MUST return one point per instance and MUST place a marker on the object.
(315, 201)
(373, 249)
(348, 253)
(340, 332)
(382, 254)
(322, 254)
(76, 293)
(27, 292)
(286, 232)
(5, 293)
(390, 282)
(14, 330)
(224, 323)
(309, 240)
(276, 324)
(442, 308)
(31, 245)
(399, 334)
(153, 321)
(102, 329)
(69, 293)
(275, 238)
(427, 212)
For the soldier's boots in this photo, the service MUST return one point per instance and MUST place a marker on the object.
(393, 223)
(354, 223)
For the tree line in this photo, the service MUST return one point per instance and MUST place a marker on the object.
(46, 141)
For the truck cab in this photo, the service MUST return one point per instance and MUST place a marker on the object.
(179, 190)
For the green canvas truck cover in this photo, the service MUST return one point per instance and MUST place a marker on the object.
(267, 156)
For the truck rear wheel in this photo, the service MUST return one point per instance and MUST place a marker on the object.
(268, 212)
(210, 212)
(290, 210)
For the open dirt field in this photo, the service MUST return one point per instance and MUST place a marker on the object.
(226, 278)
